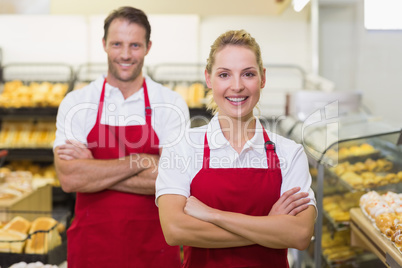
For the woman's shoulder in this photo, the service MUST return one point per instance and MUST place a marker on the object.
(285, 146)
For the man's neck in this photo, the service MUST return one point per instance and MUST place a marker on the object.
(127, 88)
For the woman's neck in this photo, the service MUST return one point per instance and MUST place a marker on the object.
(237, 130)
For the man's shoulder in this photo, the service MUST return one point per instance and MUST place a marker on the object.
(160, 92)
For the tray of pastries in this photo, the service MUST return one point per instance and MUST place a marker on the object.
(352, 153)
(367, 174)
(385, 212)
(336, 208)
(27, 134)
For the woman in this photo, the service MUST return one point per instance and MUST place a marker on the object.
(234, 194)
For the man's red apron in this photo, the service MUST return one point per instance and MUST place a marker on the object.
(251, 191)
(116, 229)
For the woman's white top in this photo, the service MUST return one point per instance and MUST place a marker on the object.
(180, 162)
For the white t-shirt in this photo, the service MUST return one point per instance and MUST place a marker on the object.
(78, 111)
(180, 163)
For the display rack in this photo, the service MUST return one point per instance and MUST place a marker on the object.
(38, 72)
(173, 73)
(28, 73)
(315, 140)
(35, 72)
(88, 72)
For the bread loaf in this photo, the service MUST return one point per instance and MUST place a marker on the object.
(44, 236)
(15, 241)
(18, 224)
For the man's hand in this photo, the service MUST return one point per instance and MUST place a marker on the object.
(290, 203)
(74, 150)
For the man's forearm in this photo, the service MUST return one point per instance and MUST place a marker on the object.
(142, 183)
(93, 175)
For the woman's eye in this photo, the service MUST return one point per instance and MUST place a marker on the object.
(249, 74)
(223, 75)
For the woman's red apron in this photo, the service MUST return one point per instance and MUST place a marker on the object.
(251, 191)
(116, 229)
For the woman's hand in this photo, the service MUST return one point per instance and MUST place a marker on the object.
(74, 150)
(199, 210)
(290, 203)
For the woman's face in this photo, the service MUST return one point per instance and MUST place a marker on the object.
(235, 81)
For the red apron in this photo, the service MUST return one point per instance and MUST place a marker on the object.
(251, 191)
(116, 229)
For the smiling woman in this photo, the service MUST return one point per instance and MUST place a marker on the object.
(247, 199)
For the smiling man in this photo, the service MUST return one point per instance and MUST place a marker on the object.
(108, 140)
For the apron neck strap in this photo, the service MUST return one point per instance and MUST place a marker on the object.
(101, 101)
(148, 109)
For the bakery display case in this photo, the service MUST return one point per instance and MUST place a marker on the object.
(350, 156)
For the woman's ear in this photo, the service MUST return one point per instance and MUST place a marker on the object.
(207, 79)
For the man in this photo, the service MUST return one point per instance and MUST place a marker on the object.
(108, 140)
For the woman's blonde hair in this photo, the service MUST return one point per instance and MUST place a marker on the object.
(234, 37)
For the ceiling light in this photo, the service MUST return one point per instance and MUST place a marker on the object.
(298, 5)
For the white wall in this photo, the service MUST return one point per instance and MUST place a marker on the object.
(78, 39)
(358, 59)
(74, 40)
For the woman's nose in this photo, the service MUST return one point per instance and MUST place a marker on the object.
(237, 84)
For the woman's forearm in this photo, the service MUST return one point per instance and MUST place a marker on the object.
(182, 229)
(280, 231)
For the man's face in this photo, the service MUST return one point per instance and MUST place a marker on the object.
(126, 49)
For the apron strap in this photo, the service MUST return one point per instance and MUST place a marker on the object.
(101, 101)
(148, 109)
(205, 161)
(270, 149)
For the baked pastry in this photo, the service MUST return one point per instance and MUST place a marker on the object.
(353, 179)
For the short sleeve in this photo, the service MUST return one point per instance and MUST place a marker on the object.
(176, 119)
(71, 120)
(296, 173)
(173, 171)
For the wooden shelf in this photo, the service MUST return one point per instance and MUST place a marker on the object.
(365, 235)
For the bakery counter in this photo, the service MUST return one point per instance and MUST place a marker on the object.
(365, 235)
